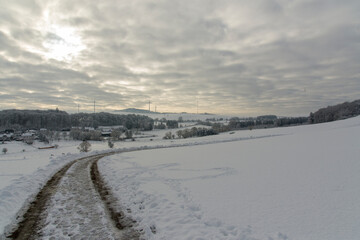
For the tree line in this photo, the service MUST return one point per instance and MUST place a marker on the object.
(34, 119)
(59, 120)
(336, 112)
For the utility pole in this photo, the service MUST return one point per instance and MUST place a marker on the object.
(155, 108)
(149, 106)
(78, 108)
(93, 119)
(197, 106)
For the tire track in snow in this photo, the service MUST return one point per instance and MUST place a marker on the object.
(75, 204)
(122, 222)
(33, 220)
(30, 222)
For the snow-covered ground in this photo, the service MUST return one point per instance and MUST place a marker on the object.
(282, 183)
(22, 159)
(24, 169)
(302, 183)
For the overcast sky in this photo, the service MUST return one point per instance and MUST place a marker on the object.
(284, 57)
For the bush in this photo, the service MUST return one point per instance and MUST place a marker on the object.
(110, 144)
(168, 135)
(195, 132)
(128, 134)
(172, 124)
(29, 141)
(4, 150)
(85, 146)
(115, 134)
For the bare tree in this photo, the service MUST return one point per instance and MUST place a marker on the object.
(128, 134)
(115, 134)
(85, 146)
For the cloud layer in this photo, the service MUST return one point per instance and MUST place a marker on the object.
(233, 57)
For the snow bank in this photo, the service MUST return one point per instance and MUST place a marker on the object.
(303, 183)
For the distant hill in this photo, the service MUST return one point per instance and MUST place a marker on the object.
(135, 110)
(336, 112)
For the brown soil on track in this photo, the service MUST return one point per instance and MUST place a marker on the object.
(121, 221)
(33, 220)
(29, 226)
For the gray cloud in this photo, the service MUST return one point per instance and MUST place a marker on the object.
(239, 57)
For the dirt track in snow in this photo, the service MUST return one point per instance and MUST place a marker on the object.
(75, 204)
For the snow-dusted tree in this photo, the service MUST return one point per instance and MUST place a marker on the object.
(4, 150)
(115, 134)
(57, 136)
(128, 134)
(75, 134)
(168, 135)
(85, 146)
(64, 135)
(95, 135)
(110, 144)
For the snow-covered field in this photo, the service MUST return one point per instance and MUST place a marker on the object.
(24, 169)
(304, 184)
(282, 183)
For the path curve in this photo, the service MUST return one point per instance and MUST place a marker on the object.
(75, 204)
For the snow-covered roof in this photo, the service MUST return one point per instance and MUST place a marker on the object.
(111, 127)
(27, 134)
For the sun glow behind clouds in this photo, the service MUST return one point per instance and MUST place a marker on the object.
(62, 43)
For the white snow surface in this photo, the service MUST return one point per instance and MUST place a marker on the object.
(25, 169)
(23, 174)
(282, 183)
(297, 183)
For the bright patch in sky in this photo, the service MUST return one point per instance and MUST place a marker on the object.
(63, 44)
(139, 70)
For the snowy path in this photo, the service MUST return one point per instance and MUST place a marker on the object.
(75, 208)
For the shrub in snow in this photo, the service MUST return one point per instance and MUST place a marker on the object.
(128, 134)
(168, 135)
(110, 144)
(85, 146)
(195, 132)
(29, 141)
(115, 134)
(4, 150)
